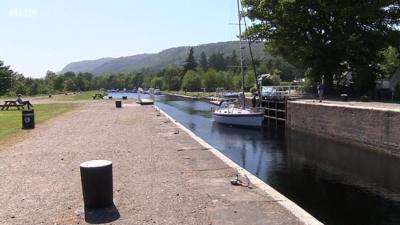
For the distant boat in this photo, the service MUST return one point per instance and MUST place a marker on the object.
(151, 91)
(144, 101)
(228, 113)
(157, 92)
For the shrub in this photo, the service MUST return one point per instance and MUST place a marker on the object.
(253, 90)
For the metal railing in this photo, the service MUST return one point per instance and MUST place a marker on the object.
(281, 92)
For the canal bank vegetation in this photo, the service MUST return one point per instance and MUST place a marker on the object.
(203, 74)
(10, 120)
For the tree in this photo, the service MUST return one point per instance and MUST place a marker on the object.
(191, 81)
(81, 83)
(190, 62)
(390, 61)
(156, 82)
(203, 61)
(6, 77)
(69, 85)
(171, 79)
(209, 80)
(217, 61)
(233, 60)
(327, 37)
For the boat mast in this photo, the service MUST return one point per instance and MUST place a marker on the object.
(241, 52)
(253, 65)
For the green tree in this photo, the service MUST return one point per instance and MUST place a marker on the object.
(81, 83)
(217, 61)
(249, 80)
(203, 61)
(157, 82)
(190, 62)
(147, 81)
(209, 80)
(69, 85)
(171, 78)
(233, 61)
(191, 81)
(390, 61)
(6, 77)
(329, 37)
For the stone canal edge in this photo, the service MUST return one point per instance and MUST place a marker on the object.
(292, 207)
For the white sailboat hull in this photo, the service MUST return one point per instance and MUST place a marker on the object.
(239, 119)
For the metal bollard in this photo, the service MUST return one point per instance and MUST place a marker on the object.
(124, 97)
(97, 183)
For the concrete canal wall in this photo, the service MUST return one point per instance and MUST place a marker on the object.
(376, 128)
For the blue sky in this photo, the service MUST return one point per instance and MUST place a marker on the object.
(41, 35)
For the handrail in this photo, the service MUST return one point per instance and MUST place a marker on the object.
(281, 91)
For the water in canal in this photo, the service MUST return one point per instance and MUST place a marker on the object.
(335, 182)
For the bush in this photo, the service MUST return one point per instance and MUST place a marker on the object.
(191, 81)
(253, 90)
(396, 93)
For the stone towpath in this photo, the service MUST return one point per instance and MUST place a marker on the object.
(161, 176)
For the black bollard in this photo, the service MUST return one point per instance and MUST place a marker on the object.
(97, 183)
(124, 97)
(118, 104)
(28, 119)
(109, 97)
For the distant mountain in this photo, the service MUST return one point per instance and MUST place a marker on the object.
(170, 57)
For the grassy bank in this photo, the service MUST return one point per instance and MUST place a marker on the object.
(10, 121)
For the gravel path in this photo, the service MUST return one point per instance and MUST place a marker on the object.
(160, 176)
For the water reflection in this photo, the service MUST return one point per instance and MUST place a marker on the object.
(335, 182)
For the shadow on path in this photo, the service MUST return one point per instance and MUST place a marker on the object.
(102, 215)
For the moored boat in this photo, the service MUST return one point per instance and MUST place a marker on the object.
(229, 114)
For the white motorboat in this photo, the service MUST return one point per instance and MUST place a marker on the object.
(228, 113)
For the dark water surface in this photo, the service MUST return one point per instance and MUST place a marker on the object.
(336, 183)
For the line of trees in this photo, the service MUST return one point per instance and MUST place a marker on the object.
(206, 73)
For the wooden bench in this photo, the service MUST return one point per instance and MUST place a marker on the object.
(8, 104)
(98, 96)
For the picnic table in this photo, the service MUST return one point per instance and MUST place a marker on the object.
(8, 104)
(98, 95)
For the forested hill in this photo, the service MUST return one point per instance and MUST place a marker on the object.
(170, 57)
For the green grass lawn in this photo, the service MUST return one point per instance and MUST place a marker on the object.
(11, 121)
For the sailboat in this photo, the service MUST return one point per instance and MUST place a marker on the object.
(228, 113)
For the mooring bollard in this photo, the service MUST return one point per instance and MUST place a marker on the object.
(97, 183)
(28, 119)
(118, 104)
(124, 97)
(109, 97)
